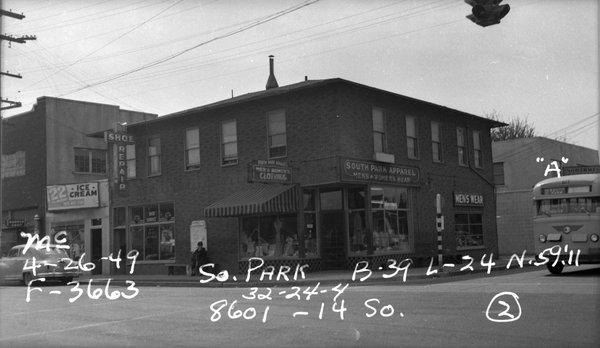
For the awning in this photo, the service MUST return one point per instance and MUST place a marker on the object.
(259, 199)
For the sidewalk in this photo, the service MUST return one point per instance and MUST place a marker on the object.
(377, 277)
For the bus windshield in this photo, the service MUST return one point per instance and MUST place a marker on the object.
(586, 205)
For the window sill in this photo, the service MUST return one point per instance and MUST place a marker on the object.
(154, 175)
(278, 157)
(88, 173)
(229, 164)
(192, 169)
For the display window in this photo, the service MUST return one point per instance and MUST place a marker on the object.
(152, 231)
(272, 236)
(468, 227)
(391, 218)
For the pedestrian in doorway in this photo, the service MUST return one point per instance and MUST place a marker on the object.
(199, 258)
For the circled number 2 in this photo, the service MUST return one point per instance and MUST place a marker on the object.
(504, 316)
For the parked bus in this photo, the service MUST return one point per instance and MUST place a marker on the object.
(567, 220)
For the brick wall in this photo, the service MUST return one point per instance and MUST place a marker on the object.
(515, 222)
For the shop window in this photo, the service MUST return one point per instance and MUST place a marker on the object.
(412, 144)
(331, 200)
(131, 163)
(356, 221)
(192, 149)
(468, 228)
(379, 139)
(460, 145)
(477, 155)
(271, 236)
(309, 200)
(154, 152)
(436, 143)
(390, 216)
(92, 161)
(277, 134)
(152, 231)
(75, 237)
(229, 150)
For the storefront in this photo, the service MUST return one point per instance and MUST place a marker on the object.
(81, 210)
(367, 215)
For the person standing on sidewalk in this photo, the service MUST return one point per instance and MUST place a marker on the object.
(199, 258)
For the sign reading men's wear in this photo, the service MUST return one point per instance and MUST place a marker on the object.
(72, 196)
(120, 139)
(371, 171)
(468, 199)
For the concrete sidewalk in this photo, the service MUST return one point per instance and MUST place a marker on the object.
(379, 277)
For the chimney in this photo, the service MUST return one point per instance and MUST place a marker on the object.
(271, 82)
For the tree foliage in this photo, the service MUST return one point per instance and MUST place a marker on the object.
(518, 127)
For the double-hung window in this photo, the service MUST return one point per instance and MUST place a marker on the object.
(436, 144)
(411, 138)
(477, 157)
(277, 134)
(154, 156)
(92, 161)
(379, 141)
(461, 146)
(229, 150)
(192, 148)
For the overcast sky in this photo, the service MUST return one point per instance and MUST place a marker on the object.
(163, 56)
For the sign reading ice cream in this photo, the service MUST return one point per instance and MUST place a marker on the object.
(72, 196)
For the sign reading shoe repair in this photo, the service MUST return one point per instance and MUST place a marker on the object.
(72, 196)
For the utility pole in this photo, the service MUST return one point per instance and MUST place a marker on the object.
(11, 39)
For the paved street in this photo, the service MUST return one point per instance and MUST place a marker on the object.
(556, 311)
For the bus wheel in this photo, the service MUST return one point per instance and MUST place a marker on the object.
(555, 269)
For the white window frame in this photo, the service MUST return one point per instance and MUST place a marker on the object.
(436, 142)
(271, 135)
(381, 132)
(158, 154)
(232, 161)
(187, 164)
(414, 137)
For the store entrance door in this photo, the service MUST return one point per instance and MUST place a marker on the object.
(332, 240)
(96, 250)
(119, 245)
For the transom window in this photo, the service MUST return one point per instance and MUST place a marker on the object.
(91, 161)
(277, 134)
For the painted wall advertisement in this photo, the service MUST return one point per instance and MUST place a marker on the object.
(371, 171)
(73, 196)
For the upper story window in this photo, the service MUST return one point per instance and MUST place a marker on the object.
(130, 157)
(379, 139)
(229, 151)
(154, 156)
(477, 156)
(499, 173)
(411, 137)
(436, 143)
(91, 161)
(460, 144)
(277, 134)
(192, 148)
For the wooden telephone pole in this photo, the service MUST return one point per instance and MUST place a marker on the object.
(11, 39)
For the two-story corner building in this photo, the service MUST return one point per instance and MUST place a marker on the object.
(518, 165)
(323, 172)
(54, 177)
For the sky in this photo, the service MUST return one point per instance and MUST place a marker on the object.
(163, 56)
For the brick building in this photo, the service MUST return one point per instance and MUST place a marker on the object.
(47, 160)
(516, 172)
(324, 171)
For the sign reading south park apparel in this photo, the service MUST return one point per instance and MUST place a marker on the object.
(269, 171)
(370, 171)
(468, 199)
(72, 196)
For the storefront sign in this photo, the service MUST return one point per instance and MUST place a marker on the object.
(270, 172)
(580, 170)
(554, 191)
(73, 196)
(370, 171)
(468, 199)
(120, 138)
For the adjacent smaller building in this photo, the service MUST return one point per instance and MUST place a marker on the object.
(518, 165)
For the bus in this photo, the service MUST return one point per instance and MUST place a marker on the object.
(567, 220)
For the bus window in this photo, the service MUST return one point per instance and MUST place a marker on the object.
(551, 207)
